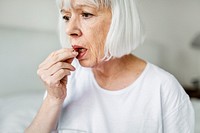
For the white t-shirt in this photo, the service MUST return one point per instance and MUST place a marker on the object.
(154, 103)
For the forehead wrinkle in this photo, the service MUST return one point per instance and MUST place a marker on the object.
(75, 4)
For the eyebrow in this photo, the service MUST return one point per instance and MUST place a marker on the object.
(78, 6)
(62, 10)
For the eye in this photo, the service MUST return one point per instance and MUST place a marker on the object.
(66, 18)
(86, 15)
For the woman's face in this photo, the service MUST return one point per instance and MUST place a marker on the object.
(87, 27)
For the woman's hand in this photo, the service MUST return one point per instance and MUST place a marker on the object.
(54, 71)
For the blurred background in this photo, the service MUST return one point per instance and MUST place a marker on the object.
(28, 34)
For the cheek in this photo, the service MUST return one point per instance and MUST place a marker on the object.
(95, 32)
(96, 49)
(97, 46)
(95, 39)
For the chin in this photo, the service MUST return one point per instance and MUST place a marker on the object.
(89, 63)
(86, 63)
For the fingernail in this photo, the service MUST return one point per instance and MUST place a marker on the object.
(73, 68)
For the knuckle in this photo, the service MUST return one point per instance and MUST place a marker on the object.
(60, 64)
(49, 82)
(55, 58)
(53, 53)
(42, 76)
(62, 70)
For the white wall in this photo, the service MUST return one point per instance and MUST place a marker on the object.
(173, 24)
(38, 15)
(21, 52)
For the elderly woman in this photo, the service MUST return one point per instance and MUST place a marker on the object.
(96, 85)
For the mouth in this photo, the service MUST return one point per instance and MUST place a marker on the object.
(81, 51)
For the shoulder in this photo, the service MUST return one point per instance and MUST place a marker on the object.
(173, 96)
(171, 91)
(164, 79)
(159, 74)
(167, 81)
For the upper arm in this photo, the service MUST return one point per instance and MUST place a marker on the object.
(178, 113)
(180, 120)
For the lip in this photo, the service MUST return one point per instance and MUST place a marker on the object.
(75, 47)
(81, 54)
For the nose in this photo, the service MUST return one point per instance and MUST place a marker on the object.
(73, 28)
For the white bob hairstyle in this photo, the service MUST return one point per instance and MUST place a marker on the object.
(125, 32)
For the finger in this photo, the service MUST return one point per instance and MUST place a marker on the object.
(43, 74)
(59, 58)
(54, 80)
(58, 66)
(60, 74)
(60, 51)
(52, 70)
(54, 54)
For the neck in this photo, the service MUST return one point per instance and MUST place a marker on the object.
(109, 68)
(109, 72)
